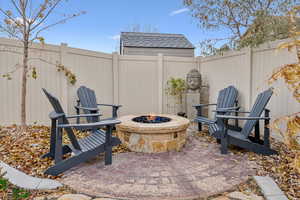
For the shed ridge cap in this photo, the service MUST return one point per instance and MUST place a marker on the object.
(152, 34)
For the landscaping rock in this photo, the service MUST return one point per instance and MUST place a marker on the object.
(221, 198)
(48, 197)
(25, 181)
(74, 197)
(242, 196)
(104, 199)
(255, 197)
(269, 188)
(40, 198)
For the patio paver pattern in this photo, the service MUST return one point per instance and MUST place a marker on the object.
(199, 170)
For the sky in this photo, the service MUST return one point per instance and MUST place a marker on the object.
(100, 27)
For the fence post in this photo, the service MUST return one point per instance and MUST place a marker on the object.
(64, 82)
(115, 65)
(249, 70)
(198, 59)
(160, 64)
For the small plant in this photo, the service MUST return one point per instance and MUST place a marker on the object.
(19, 194)
(176, 87)
(3, 183)
(8, 191)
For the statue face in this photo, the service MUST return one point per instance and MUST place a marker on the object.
(193, 80)
(194, 83)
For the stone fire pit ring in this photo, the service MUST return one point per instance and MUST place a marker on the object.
(153, 138)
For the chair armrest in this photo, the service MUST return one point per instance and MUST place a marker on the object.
(203, 105)
(112, 105)
(86, 108)
(84, 115)
(229, 109)
(55, 115)
(207, 122)
(241, 118)
(235, 111)
(91, 125)
(115, 109)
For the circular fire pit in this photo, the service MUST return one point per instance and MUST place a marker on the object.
(153, 133)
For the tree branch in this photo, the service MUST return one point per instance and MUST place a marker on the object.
(11, 18)
(16, 7)
(45, 17)
(236, 25)
(42, 60)
(54, 24)
(17, 67)
(10, 33)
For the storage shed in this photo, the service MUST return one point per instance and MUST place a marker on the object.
(138, 43)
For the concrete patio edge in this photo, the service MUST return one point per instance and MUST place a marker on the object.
(25, 181)
(269, 188)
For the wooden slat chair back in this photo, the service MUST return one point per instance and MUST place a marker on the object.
(256, 111)
(54, 102)
(58, 110)
(87, 98)
(227, 99)
(87, 101)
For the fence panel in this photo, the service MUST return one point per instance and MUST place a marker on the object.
(138, 84)
(265, 60)
(10, 90)
(221, 71)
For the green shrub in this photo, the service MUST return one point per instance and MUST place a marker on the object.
(176, 87)
(3, 184)
(8, 189)
(19, 194)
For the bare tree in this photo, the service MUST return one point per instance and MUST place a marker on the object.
(260, 17)
(25, 20)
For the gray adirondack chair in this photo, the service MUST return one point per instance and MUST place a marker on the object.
(83, 149)
(243, 138)
(87, 102)
(227, 100)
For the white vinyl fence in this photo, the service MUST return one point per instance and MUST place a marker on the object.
(249, 70)
(136, 82)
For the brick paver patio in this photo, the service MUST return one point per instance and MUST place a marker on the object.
(199, 170)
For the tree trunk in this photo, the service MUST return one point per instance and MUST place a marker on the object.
(24, 84)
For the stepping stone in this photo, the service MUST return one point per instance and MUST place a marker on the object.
(221, 198)
(242, 196)
(269, 188)
(74, 197)
(25, 181)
